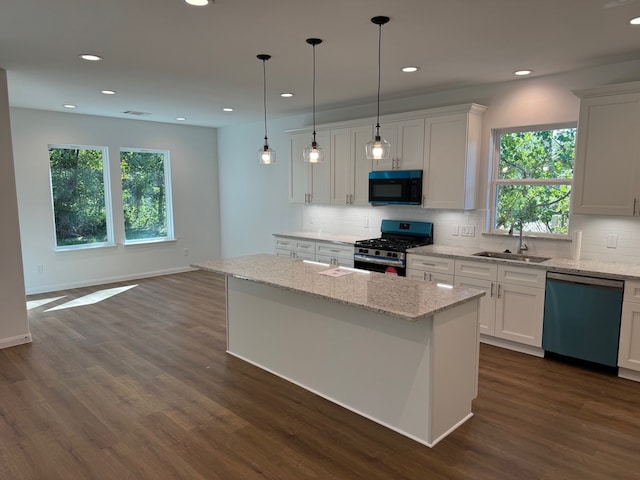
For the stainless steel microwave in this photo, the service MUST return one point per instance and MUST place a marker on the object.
(398, 187)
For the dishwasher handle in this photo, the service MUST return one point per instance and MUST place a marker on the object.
(600, 282)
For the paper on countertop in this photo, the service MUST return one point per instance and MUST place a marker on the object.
(335, 272)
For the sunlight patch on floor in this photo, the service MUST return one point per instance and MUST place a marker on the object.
(92, 298)
(31, 304)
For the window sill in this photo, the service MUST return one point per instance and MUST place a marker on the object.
(149, 241)
(534, 236)
(84, 248)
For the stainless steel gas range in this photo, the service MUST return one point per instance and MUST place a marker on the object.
(388, 253)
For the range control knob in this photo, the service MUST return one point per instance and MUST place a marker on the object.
(377, 252)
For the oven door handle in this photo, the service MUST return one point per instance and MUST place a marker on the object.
(378, 261)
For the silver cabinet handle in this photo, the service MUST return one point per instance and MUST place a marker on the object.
(350, 199)
(635, 201)
(424, 276)
(346, 199)
(499, 287)
(491, 293)
(430, 276)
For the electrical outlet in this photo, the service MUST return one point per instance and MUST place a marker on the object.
(612, 240)
(186, 252)
(467, 230)
(366, 222)
(40, 268)
(455, 231)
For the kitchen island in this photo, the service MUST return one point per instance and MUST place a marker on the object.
(400, 352)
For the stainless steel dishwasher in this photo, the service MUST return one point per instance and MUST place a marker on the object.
(582, 317)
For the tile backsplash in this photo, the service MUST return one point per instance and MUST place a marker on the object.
(610, 239)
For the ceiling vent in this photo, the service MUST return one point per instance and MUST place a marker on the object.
(139, 114)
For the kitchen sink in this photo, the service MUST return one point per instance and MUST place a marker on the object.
(512, 256)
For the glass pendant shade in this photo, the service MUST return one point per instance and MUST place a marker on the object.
(266, 155)
(378, 149)
(313, 153)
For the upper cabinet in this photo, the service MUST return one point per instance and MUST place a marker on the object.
(451, 155)
(349, 165)
(606, 179)
(309, 182)
(407, 145)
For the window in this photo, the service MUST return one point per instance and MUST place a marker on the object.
(80, 192)
(146, 195)
(532, 178)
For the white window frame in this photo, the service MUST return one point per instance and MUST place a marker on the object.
(106, 178)
(495, 171)
(170, 237)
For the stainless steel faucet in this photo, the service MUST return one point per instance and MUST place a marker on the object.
(522, 247)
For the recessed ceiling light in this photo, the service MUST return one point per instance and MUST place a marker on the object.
(521, 73)
(286, 95)
(635, 21)
(180, 119)
(108, 92)
(91, 57)
(197, 3)
(69, 105)
(227, 109)
(410, 69)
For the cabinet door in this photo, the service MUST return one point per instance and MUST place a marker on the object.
(321, 172)
(407, 145)
(519, 312)
(487, 311)
(341, 166)
(607, 156)
(435, 277)
(449, 176)
(299, 172)
(361, 166)
(629, 351)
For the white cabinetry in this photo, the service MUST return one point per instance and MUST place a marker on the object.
(349, 166)
(334, 253)
(310, 182)
(629, 351)
(430, 269)
(606, 177)
(513, 307)
(320, 251)
(451, 154)
(407, 145)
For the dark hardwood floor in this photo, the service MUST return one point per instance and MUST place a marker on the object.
(139, 386)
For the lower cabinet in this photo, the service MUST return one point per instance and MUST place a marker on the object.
(629, 351)
(513, 306)
(319, 251)
(430, 269)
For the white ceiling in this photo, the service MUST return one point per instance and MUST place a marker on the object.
(170, 59)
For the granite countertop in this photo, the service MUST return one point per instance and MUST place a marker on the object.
(323, 237)
(399, 297)
(617, 271)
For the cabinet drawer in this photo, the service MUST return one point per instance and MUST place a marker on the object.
(304, 246)
(522, 276)
(480, 270)
(334, 250)
(283, 243)
(283, 252)
(631, 291)
(430, 264)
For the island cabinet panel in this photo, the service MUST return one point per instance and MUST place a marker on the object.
(606, 177)
(417, 377)
(629, 348)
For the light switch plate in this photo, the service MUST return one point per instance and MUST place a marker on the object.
(467, 230)
(455, 231)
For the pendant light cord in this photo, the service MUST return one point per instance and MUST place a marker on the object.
(264, 96)
(314, 93)
(379, 61)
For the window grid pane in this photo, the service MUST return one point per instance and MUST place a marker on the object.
(79, 195)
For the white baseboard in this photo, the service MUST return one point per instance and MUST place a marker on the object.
(515, 346)
(14, 341)
(105, 280)
(629, 374)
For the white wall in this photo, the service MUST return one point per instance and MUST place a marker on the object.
(533, 101)
(194, 177)
(14, 327)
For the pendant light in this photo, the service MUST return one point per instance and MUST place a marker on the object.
(378, 148)
(314, 153)
(266, 155)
